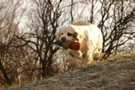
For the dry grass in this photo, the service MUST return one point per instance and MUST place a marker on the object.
(116, 73)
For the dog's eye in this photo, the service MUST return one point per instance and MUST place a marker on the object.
(69, 34)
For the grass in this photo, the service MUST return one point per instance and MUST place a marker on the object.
(115, 73)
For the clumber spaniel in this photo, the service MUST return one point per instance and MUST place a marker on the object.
(88, 35)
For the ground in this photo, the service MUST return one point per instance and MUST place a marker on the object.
(112, 74)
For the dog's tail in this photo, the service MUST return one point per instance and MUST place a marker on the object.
(80, 22)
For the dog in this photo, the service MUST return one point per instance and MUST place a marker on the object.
(88, 35)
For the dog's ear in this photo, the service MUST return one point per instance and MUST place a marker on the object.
(75, 35)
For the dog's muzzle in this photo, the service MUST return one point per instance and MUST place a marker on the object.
(63, 39)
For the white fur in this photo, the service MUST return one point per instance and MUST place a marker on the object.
(89, 36)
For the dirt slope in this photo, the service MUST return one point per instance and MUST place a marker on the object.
(117, 74)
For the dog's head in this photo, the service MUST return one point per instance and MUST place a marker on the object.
(66, 34)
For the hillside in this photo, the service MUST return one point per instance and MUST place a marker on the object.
(113, 74)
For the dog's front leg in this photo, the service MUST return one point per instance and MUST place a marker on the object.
(74, 58)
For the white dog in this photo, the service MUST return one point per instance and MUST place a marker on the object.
(88, 35)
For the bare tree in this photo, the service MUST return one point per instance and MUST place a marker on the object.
(116, 24)
(115, 18)
(44, 23)
(8, 28)
(71, 10)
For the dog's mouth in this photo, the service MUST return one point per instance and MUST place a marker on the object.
(66, 45)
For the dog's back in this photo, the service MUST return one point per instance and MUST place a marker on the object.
(80, 23)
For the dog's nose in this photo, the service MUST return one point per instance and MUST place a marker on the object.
(63, 39)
